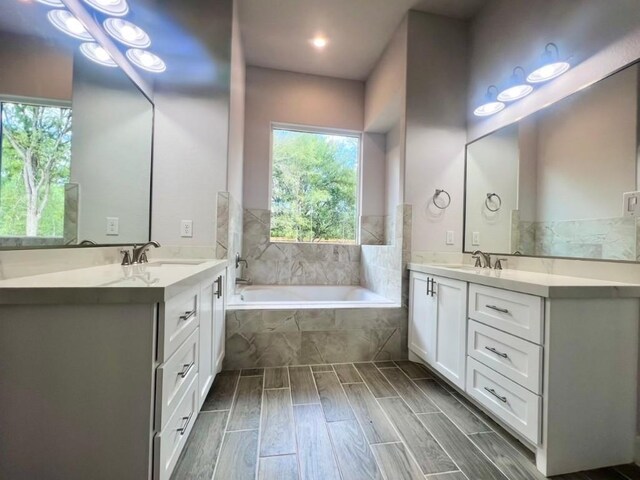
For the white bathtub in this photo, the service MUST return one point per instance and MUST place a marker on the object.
(297, 297)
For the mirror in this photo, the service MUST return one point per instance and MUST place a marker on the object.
(554, 183)
(75, 138)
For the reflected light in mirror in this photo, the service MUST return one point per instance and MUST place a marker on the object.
(51, 3)
(64, 21)
(127, 33)
(548, 72)
(116, 8)
(488, 109)
(514, 93)
(146, 60)
(96, 53)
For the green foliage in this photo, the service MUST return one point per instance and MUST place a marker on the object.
(315, 183)
(35, 165)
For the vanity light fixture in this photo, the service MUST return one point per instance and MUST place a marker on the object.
(491, 105)
(98, 54)
(549, 66)
(66, 22)
(517, 87)
(127, 33)
(146, 60)
(117, 8)
(51, 3)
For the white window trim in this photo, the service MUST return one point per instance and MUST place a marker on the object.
(325, 131)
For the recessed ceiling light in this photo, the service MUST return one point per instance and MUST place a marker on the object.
(146, 60)
(98, 54)
(51, 3)
(64, 21)
(319, 42)
(117, 8)
(126, 32)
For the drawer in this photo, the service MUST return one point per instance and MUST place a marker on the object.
(178, 318)
(512, 312)
(516, 359)
(168, 444)
(513, 404)
(174, 376)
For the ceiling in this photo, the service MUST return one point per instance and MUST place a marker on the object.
(276, 33)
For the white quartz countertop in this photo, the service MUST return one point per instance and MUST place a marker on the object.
(153, 282)
(534, 283)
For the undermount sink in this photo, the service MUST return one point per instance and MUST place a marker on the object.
(460, 267)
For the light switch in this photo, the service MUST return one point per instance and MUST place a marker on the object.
(475, 240)
(186, 228)
(631, 204)
(113, 226)
(450, 237)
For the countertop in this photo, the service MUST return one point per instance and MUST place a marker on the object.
(534, 283)
(153, 282)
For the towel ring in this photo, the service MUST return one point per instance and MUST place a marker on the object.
(437, 194)
(489, 201)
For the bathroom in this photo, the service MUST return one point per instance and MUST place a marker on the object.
(304, 239)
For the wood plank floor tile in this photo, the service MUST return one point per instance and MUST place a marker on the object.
(238, 456)
(245, 413)
(396, 463)
(375, 425)
(467, 456)
(303, 388)
(315, 453)
(251, 372)
(277, 429)
(347, 373)
(413, 370)
(355, 459)
(604, 474)
(387, 364)
(376, 381)
(282, 467)
(448, 476)
(334, 402)
(430, 456)
(631, 471)
(457, 413)
(199, 457)
(321, 368)
(220, 396)
(277, 377)
(410, 393)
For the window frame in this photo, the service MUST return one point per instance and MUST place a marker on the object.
(302, 128)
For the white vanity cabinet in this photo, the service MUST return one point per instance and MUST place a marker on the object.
(553, 359)
(211, 335)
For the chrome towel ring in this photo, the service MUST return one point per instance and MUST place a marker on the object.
(490, 203)
(444, 204)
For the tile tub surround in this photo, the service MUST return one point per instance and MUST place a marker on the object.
(71, 210)
(229, 235)
(267, 338)
(295, 263)
(372, 230)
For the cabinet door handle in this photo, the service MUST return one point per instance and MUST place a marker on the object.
(500, 354)
(433, 287)
(186, 368)
(428, 286)
(184, 426)
(497, 309)
(493, 392)
(219, 289)
(188, 315)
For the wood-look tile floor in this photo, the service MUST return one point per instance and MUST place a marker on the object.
(381, 420)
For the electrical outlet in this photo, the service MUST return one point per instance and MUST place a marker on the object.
(113, 226)
(475, 240)
(186, 228)
(631, 204)
(450, 237)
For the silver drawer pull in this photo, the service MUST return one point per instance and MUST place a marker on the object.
(186, 369)
(183, 428)
(497, 309)
(500, 354)
(188, 315)
(493, 392)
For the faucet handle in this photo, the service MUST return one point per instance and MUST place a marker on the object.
(498, 264)
(478, 263)
(126, 257)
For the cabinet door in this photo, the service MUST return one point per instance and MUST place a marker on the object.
(219, 321)
(451, 329)
(206, 368)
(422, 318)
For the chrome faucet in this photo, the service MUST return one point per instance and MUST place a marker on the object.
(242, 281)
(87, 242)
(139, 254)
(240, 260)
(482, 259)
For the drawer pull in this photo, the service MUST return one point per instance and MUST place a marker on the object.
(493, 392)
(500, 354)
(497, 309)
(186, 369)
(188, 315)
(187, 420)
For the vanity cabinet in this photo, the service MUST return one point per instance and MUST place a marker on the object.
(211, 334)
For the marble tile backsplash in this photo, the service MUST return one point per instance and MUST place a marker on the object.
(271, 263)
(372, 230)
(71, 211)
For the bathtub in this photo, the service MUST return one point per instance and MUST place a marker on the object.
(298, 297)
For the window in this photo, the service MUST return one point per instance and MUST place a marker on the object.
(314, 194)
(35, 159)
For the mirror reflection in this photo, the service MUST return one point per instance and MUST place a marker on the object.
(75, 141)
(562, 182)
